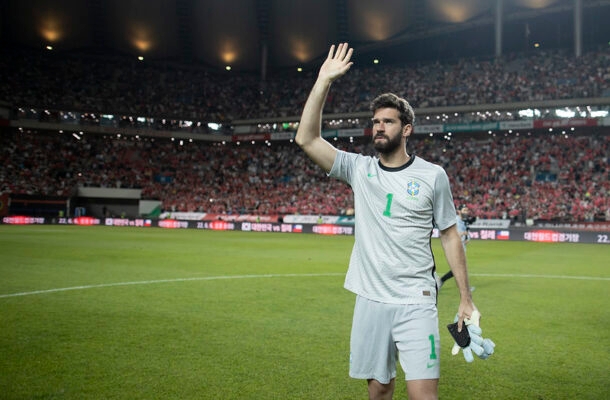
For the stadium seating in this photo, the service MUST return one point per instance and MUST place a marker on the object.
(123, 86)
(542, 176)
(497, 177)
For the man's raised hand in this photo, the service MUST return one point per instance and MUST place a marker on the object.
(337, 62)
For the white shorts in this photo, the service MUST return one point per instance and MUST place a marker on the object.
(385, 333)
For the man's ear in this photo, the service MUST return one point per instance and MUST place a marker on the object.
(407, 130)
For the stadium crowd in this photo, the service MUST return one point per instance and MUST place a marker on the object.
(542, 176)
(127, 87)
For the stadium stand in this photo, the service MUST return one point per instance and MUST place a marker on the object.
(542, 176)
(539, 175)
(168, 91)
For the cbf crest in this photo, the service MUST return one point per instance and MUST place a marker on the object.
(413, 188)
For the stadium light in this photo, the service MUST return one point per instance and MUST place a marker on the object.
(564, 113)
(528, 113)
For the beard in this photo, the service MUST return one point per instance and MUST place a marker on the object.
(388, 146)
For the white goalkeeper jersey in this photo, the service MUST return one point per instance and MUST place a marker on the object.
(395, 212)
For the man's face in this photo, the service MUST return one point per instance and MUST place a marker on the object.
(465, 212)
(387, 130)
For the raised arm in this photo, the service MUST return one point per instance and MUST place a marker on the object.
(309, 133)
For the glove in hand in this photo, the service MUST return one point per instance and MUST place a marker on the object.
(480, 346)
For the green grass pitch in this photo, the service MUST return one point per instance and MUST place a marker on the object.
(133, 313)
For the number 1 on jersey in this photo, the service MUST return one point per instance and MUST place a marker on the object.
(388, 204)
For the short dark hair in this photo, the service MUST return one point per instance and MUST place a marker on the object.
(390, 100)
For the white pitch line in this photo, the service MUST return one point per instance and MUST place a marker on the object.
(212, 278)
(202, 278)
(585, 278)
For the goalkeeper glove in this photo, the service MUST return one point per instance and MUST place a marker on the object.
(478, 345)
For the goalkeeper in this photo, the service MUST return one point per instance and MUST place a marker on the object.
(398, 199)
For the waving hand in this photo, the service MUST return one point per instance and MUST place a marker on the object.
(337, 62)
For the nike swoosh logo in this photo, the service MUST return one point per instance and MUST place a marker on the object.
(430, 365)
(371, 175)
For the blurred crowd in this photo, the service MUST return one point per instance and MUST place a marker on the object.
(116, 85)
(542, 176)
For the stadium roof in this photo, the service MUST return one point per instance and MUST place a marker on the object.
(258, 35)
